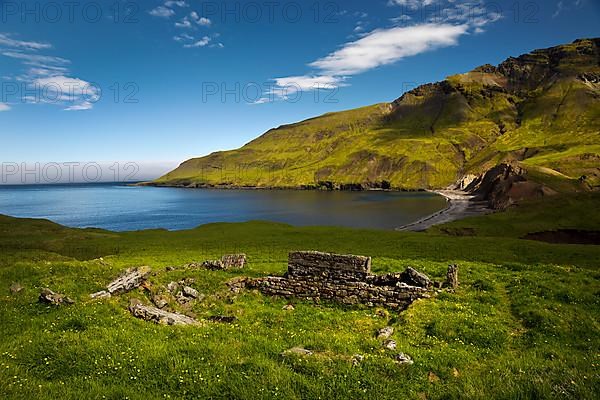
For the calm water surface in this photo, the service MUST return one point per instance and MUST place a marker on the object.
(126, 208)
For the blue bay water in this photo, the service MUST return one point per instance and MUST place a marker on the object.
(120, 207)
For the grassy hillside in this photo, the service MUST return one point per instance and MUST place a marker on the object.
(523, 324)
(541, 110)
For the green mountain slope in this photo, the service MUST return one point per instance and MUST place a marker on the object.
(540, 111)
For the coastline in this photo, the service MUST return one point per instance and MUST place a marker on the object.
(459, 206)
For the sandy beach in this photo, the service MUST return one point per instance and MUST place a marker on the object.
(459, 206)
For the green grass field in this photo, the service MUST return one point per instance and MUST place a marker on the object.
(524, 323)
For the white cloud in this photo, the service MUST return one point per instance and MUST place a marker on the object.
(308, 82)
(183, 37)
(200, 43)
(172, 3)
(375, 49)
(7, 40)
(412, 4)
(76, 94)
(86, 105)
(4, 107)
(36, 59)
(200, 20)
(184, 23)
(162, 12)
(387, 46)
(564, 5)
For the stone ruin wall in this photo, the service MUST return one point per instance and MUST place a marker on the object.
(345, 279)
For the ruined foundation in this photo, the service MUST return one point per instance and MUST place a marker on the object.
(343, 278)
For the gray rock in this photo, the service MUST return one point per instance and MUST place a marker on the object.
(403, 359)
(214, 265)
(100, 295)
(297, 351)
(47, 296)
(357, 359)
(15, 288)
(390, 344)
(415, 278)
(182, 299)
(173, 287)
(159, 316)
(385, 333)
(160, 301)
(129, 280)
(190, 292)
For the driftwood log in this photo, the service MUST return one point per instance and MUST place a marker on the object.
(129, 280)
(158, 316)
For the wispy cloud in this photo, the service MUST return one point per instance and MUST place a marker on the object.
(4, 107)
(412, 4)
(387, 46)
(375, 49)
(7, 40)
(180, 3)
(199, 43)
(36, 59)
(564, 5)
(442, 23)
(46, 78)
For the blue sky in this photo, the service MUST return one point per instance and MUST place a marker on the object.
(166, 59)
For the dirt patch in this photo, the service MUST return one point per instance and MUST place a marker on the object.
(566, 236)
(459, 231)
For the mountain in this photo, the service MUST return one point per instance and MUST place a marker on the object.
(539, 112)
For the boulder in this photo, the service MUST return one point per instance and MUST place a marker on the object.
(357, 359)
(214, 265)
(390, 344)
(100, 295)
(190, 292)
(158, 316)
(385, 333)
(297, 351)
(15, 288)
(173, 287)
(47, 296)
(403, 359)
(413, 277)
(160, 301)
(132, 278)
